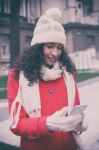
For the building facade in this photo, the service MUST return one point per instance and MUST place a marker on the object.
(80, 20)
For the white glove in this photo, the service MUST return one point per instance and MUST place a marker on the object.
(82, 127)
(60, 122)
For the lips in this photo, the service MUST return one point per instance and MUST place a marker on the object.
(52, 59)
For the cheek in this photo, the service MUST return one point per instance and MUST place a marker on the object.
(45, 54)
(46, 51)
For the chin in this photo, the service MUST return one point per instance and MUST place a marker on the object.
(50, 63)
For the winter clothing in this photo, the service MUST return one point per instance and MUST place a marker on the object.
(34, 103)
(67, 124)
(33, 131)
(49, 28)
(38, 112)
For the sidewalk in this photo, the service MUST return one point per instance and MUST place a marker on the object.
(89, 95)
(6, 135)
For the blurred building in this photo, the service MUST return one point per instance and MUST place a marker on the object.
(80, 20)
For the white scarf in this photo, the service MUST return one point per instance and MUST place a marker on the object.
(29, 96)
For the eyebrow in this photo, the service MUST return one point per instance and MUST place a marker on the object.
(52, 43)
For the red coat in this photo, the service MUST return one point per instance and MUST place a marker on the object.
(36, 127)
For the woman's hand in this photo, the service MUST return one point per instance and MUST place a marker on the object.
(60, 122)
(81, 127)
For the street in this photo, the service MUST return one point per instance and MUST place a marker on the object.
(4, 112)
(89, 95)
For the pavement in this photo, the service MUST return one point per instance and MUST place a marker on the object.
(89, 95)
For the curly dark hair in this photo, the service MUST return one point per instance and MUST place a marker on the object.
(32, 59)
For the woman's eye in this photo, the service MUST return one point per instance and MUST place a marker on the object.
(49, 46)
(60, 47)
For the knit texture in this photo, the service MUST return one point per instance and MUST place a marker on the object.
(49, 28)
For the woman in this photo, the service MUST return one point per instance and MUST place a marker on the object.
(42, 90)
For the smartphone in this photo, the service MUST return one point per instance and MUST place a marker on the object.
(78, 109)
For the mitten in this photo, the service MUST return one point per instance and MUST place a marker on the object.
(81, 127)
(60, 122)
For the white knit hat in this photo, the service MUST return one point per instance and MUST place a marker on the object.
(49, 28)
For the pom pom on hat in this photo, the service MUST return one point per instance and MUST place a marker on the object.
(54, 13)
(49, 28)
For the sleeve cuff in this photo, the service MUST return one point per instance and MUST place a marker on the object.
(42, 128)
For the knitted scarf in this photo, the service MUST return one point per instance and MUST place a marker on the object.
(29, 96)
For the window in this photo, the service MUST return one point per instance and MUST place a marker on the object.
(28, 41)
(24, 8)
(4, 52)
(66, 1)
(5, 6)
(90, 40)
(88, 7)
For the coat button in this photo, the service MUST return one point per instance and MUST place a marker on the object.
(51, 91)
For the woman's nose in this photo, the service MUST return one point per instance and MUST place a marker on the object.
(55, 51)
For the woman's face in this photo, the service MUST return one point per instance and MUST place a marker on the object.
(52, 52)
